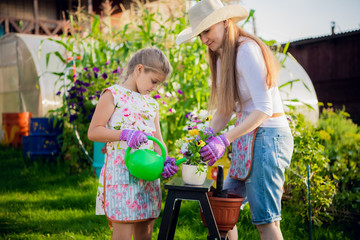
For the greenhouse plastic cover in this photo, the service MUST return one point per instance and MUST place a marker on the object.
(21, 63)
(302, 92)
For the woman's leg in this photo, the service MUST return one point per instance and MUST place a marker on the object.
(270, 231)
(122, 231)
(143, 230)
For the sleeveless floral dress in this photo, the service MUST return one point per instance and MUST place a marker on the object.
(121, 196)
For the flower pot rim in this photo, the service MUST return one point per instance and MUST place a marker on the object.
(231, 197)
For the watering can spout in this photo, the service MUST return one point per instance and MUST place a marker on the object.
(180, 161)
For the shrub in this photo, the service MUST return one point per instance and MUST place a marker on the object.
(308, 151)
(341, 138)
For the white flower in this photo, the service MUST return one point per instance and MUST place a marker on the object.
(161, 90)
(94, 102)
(184, 148)
(203, 114)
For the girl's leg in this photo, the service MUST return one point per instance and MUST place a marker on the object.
(233, 233)
(122, 231)
(143, 230)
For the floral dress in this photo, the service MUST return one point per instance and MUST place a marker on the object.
(121, 196)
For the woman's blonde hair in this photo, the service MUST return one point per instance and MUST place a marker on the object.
(226, 94)
(152, 59)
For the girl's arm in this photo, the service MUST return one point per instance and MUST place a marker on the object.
(250, 123)
(158, 135)
(103, 111)
(219, 122)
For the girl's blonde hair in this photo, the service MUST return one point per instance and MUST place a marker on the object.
(152, 59)
(227, 93)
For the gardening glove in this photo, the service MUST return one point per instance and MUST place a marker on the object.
(209, 131)
(169, 167)
(133, 138)
(214, 149)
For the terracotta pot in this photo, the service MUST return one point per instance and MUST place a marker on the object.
(226, 211)
(15, 126)
(191, 176)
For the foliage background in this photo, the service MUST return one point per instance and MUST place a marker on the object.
(331, 149)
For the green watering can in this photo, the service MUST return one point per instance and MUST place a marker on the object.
(147, 164)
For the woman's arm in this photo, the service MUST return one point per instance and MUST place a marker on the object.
(255, 119)
(103, 112)
(219, 122)
(158, 135)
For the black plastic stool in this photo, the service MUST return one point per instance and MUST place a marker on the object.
(178, 191)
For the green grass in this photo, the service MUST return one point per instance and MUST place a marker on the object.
(41, 201)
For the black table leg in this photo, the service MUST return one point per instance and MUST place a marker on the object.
(209, 217)
(174, 219)
(170, 217)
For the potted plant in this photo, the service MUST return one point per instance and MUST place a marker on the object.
(194, 170)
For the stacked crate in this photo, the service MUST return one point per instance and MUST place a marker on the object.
(43, 140)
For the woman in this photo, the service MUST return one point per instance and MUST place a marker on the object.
(244, 75)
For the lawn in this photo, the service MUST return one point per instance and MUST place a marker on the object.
(40, 201)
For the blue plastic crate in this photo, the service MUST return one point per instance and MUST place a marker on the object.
(35, 146)
(45, 126)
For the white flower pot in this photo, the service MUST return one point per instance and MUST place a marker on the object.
(190, 176)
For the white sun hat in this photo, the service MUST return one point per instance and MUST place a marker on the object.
(206, 13)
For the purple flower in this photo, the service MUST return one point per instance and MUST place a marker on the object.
(91, 97)
(107, 63)
(171, 110)
(86, 69)
(72, 118)
(72, 95)
(58, 93)
(180, 92)
(116, 70)
(95, 75)
(157, 96)
(189, 115)
(88, 75)
(86, 84)
(104, 76)
(95, 69)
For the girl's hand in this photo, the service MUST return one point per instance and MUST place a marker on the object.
(133, 138)
(214, 149)
(169, 167)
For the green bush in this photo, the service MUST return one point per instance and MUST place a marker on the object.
(341, 138)
(309, 151)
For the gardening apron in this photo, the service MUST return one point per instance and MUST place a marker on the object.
(242, 150)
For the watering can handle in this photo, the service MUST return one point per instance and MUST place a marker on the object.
(163, 151)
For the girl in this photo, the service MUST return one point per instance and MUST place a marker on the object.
(123, 117)
(244, 74)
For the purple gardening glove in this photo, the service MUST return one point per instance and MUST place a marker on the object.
(133, 138)
(169, 167)
(214, 149)
(208, 130)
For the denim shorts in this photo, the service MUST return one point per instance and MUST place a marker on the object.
(272, 153)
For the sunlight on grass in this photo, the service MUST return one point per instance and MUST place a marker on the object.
(42, 201)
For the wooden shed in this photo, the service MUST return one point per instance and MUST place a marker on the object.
(333, 64)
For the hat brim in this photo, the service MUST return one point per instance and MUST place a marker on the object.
(235, 12)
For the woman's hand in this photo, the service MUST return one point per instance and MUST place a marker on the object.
(214, 149)
(169, 167)
(133, 138)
